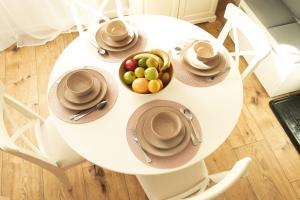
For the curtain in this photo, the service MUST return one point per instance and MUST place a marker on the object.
(35, 22)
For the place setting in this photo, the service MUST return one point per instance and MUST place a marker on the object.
(83, 95)
(163, 134)
(117, 38)
(199, 63)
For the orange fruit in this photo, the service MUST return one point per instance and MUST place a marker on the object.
(140, 85)
(154, 86)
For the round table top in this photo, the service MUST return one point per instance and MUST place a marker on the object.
(103, 141)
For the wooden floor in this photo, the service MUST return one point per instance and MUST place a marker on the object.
(273, 174)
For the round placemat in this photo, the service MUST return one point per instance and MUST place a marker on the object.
(160, 162)
(188, 78)
(64, 114)
(116, 56)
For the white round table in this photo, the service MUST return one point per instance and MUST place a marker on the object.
(103, 141)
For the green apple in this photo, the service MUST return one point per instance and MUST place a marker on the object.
(139, 72)
(142, 62)
(129, 77)
(151, 73)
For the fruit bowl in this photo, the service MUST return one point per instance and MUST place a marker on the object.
(147, 72)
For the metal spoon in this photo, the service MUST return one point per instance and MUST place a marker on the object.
(98, 107)
(102, 51)
(188, 114)
(147, 158)
(84, 111)
(178, 48)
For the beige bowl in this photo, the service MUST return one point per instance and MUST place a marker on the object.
(122, 71)
(205, 51)
(116, 30)
(80, 83)
(166, 125)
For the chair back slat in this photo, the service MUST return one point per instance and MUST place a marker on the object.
(240, 24)
(8, 138)
(21, 131)
(8, 116)
(96, 13)
(224, 184)
(35, 154)
(119, 8)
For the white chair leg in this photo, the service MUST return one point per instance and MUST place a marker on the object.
(61, 175)
(216, 178)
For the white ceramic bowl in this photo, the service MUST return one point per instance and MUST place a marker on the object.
(116, 30)
(80, 83)
(205, 50)
(166, 125)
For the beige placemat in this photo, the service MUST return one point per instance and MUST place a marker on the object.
(64, 113)
(160, 162)
(188, 78)
(116, 56)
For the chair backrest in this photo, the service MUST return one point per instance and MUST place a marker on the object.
(240, 23)
(231, 177)
(8, 141)
(97, 13)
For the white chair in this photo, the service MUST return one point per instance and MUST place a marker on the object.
(50, 153)
(96, 13)
(243, 28)
(191, 181)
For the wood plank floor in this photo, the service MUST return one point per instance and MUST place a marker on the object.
(273, 174)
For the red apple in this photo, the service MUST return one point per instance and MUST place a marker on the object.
(130, 64)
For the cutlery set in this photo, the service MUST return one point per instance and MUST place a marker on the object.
(84, 113)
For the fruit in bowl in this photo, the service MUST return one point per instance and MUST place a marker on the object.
(146, 72)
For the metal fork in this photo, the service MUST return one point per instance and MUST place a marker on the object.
(147, 158)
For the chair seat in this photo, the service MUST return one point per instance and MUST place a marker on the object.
(288, 43)
(271, 12)
(55, 147)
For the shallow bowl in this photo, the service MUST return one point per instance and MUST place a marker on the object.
(166, 125)
(116, 30)
(205, 51)
(80, 83)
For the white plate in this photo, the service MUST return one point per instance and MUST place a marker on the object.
(191, 57)
(72, 106)
(211, 72)
(107, 40)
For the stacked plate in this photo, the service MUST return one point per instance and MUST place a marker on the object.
(117, 35)
(163, 131)
(204, 59)
(81, 89)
